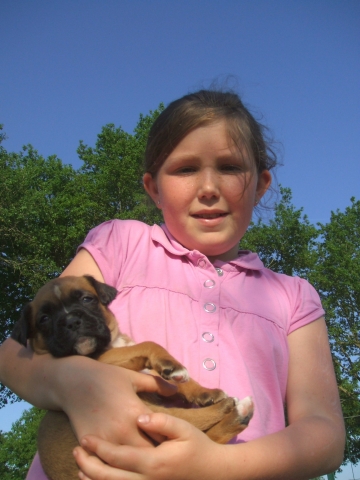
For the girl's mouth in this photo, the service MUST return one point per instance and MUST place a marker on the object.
(209, 215)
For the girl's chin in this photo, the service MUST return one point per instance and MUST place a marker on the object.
(226, 256)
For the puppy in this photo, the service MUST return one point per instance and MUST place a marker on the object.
(70, 316)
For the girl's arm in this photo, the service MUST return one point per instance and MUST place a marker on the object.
(311, 445)
(94, 395)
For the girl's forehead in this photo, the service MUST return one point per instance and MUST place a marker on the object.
(218, 130)
(218, 135)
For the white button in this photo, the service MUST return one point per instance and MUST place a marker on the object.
(209, 283)
(207, 337)
(209, 307)
(209, 364)
(201, 263)
(219, 272)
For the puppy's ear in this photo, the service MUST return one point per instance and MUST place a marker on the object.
(105, 292)
(21, 330)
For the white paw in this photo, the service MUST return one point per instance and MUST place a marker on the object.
(245, 408)
(180, 375)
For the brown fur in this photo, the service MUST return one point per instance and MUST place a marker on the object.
(62, 308)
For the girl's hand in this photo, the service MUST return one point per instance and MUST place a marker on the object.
(186, 454)
(101, 399)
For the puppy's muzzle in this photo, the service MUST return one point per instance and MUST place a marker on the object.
(72, 330)
(73, 321)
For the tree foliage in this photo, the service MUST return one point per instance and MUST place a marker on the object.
(287, 243)
(18, 447)
(46, 209)
(336, 277)
(112, 172)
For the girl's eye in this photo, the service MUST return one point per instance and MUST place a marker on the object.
(185, 170)
(231, 168)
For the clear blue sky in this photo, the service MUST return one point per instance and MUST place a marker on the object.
(70, 67)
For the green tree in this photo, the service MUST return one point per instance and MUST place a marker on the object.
(18, 447)
(286, 244)
(113, 172)
(336, 277)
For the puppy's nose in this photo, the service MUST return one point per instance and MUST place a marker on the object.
(73, 322)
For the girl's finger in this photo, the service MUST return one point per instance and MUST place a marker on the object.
(125, 460)
(166, 425)
(92, 468)
(89, 465)
(152, 383)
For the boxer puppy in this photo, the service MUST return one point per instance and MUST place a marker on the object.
(70, 316)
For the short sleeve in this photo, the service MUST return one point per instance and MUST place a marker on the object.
(104, 243)
(306, 305)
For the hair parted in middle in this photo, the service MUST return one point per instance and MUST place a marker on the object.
(199, 109)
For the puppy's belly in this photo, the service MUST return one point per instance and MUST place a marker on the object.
(56, 441)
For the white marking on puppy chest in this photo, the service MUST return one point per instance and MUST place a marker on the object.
(122, 341)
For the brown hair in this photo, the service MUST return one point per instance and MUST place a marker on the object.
(198, 109)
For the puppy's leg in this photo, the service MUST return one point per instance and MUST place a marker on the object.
(147, 355)
(233, 423)
(154, 357)
(194, 393)
(202, 418)
(221, 421)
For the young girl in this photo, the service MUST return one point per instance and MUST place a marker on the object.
(235, 324)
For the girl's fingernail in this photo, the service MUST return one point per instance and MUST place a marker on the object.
(144, 419)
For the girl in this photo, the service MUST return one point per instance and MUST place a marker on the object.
(235, 324)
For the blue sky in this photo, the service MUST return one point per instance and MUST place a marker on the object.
(70, 67)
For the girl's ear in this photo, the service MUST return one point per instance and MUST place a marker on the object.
(151, 188)
(264, 182)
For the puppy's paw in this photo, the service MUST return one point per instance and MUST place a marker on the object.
(209, 397)
(179, 375)
(237, 415)
(172, 370)
(245, 409)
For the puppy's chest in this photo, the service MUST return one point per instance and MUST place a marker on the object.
(122, 341)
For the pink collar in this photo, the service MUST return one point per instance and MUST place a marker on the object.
(246, 259)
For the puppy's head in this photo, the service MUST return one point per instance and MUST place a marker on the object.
(69, 316)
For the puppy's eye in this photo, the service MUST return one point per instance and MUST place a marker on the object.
(44, 319)
(87, 299)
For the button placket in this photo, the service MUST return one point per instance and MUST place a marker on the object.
(208, 328)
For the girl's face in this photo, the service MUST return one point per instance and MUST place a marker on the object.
(207, 192)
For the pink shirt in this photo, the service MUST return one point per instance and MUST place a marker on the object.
(227, 323)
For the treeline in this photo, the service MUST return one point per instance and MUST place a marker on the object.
(47, 207)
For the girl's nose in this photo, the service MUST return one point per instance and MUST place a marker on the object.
(208, 184)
